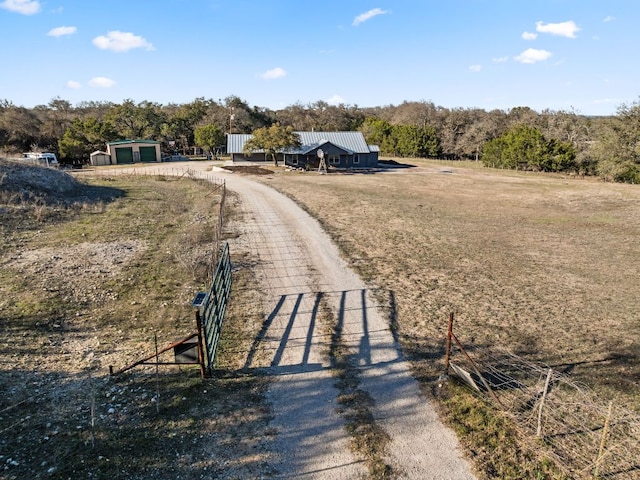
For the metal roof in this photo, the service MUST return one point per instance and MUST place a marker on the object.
(353, 142)
(125, 142)
(236, 141)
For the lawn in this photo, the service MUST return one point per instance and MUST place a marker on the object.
(545, 266)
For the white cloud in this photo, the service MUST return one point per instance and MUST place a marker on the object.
(500, 59)
(101, 82)
(25, 7)
(563, 29)
(532, 55)
(363, 17)
(121, 41)
(608, 18)
(73, 85)
(273, 74)
(475, 68)
(62, 31)
(335, 100)
(529, 35)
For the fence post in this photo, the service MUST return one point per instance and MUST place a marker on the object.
(155, 336)
(448, 350)
(200, 345)
(603, 439)
(544, 397)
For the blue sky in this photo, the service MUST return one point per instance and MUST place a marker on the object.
(544, 54)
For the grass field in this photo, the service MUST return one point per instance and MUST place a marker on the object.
(544, 266)
(89, 277)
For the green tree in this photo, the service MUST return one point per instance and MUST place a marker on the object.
(562, 156)
(617, 150)
(524, 147)
(241, 118)
(209, 137)
(181, 121)
(375, 130)
(136, 122)
(272, 140)
(492, 152)
(413, 141)
(84, 137)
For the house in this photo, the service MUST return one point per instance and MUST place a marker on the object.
(341, 150)
(134, 151)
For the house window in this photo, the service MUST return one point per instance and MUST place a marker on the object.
(334, 159)
(294, 160)
(356, 159)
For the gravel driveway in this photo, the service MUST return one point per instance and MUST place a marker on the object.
(301, 275)
(299, 268)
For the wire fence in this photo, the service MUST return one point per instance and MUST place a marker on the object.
(218, 186)
(588, 437)
(64, 413)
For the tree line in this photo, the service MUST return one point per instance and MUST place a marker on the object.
(519, 138)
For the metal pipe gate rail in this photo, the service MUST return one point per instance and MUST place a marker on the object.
(210, 310)
(211, 307)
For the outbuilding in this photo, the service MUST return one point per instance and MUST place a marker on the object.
(134, 151)
(100, 158)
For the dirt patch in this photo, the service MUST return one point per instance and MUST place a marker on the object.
(249, 169)
(23, 177)
(80, 271)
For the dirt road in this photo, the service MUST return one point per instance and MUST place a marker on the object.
(306, 286)
(299, 268)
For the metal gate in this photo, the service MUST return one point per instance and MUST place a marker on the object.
(214, 306)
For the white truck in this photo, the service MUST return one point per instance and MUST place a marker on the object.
(45, 159)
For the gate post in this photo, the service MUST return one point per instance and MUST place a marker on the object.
(197, 304)
(201, 356)
(448, 351)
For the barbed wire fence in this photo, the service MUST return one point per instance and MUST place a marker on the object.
(588, 437)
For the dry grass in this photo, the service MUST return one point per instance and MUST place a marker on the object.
(544, 266)
(90, 287)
